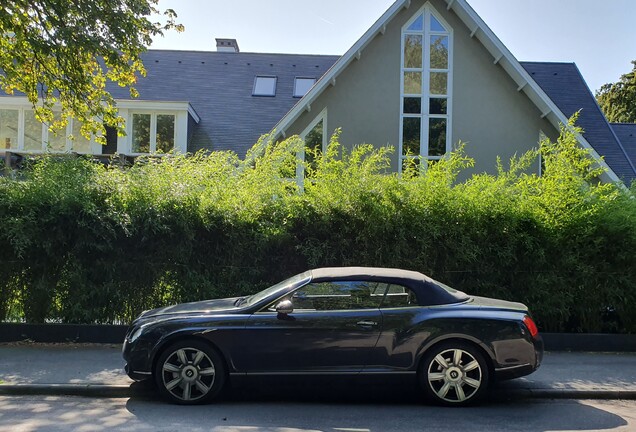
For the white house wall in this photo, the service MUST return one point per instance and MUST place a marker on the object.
(488, 111)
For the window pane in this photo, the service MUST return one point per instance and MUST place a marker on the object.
(32, 131)
(302, 86)
(436, 26)
(412, 105)
(437, 106)
(399, 296)
(413, 83)
(165, 133)
(56, 139)
(313, 144)
(411, 136)
(79, 143)
(111, 141)
(439, 52)
(437, 137)
(418, 24)
(264, 86)
(343, 295)
(141, 133)
(413, 51)
(8, 129)
(439, 83)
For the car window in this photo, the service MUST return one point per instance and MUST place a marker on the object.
(338, 295)
(279, 287)
(399, 296)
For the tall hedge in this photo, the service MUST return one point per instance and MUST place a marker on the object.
(84, 243)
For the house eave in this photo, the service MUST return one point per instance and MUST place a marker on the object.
(158, 105)
(23, 102)
(526, 83)
(329, 78)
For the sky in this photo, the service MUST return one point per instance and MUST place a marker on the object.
(600, 37)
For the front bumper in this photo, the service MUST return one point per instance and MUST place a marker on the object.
(136, 355)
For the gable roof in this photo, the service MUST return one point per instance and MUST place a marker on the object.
(220, 85)
(479, 30)
(565, 85)
(626, 133)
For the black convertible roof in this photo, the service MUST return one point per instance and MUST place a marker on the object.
(429, 292)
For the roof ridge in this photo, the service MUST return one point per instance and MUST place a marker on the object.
(546, 62)
(154, 50)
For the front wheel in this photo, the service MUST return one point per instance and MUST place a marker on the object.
(190, 372)
(454, 374)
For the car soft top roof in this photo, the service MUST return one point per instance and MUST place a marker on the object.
(429, 292)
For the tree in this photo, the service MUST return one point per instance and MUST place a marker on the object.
(61, 53)
(618, 100)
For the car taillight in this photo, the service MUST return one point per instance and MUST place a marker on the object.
(532, 327)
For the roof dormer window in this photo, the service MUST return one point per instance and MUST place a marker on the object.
(302, 86)
(264, 86)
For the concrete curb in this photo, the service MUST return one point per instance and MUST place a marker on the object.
(126, 391)
(91, 390)
(569, 394)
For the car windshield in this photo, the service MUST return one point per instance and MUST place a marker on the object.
(279, 287)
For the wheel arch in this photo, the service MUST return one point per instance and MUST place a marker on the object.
(488, 354)
(166, 342)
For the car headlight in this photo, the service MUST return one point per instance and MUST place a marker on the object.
(136, 334)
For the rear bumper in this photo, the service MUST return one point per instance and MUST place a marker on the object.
(532, 363)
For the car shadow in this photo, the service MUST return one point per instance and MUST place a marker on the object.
(337, 403)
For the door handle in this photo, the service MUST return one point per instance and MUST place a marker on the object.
(367, 323)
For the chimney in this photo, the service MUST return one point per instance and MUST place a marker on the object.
(227, 45)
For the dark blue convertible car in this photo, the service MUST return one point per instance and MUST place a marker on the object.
(334, 321)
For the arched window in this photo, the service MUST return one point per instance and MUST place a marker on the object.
(425, 99)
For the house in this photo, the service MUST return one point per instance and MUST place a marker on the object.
(427, 75)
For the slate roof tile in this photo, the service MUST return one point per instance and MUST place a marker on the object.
(565, 85)
(626, 133)
(219, 86)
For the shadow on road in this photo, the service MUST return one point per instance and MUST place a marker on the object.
(339, 404)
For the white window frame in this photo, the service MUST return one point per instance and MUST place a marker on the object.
(542, 137)
(181, 111)
(257, 77)
(22, 108)
(153, 129)
(296, 80)
(426, 11)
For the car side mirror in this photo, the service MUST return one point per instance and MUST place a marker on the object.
(285, 307)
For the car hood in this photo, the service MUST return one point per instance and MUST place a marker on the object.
(218, 305)
(490, 303)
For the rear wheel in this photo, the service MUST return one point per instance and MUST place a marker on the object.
(454, 374)
(190, 372)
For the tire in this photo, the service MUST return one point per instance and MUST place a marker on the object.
(190, 373)
(454, 374)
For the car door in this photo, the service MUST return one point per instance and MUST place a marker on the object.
(402, 333)
(334, 327)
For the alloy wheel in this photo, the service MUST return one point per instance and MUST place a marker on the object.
(188, 374)
(454, 375)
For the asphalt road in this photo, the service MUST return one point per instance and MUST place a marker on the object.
(41, 413)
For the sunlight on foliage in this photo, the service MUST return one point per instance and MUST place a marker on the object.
(88, 243)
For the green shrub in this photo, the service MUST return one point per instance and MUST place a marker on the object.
(84, 243)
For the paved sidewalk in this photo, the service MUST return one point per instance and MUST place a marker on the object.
(97, 370)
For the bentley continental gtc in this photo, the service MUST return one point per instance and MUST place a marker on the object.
(337, 321)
